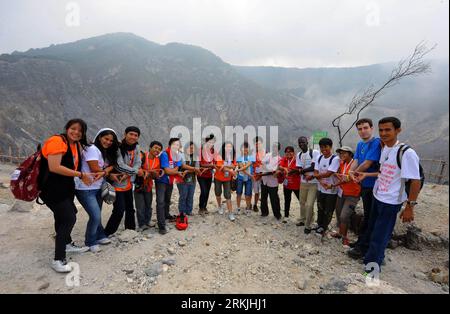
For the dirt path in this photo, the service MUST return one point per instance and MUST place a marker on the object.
(250, 255)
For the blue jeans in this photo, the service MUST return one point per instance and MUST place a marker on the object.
(92, 201)
(240, 187)
(186, 201)
(381, 225)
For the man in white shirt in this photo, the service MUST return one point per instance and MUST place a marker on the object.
(306, 160)
(397, 171)
(269, 186)
(324, 169)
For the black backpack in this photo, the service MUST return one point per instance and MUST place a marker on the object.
(310, 154)
(401, 151)
(329, 162)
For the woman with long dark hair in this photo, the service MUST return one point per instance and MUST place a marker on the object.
(61, 162)
(101, 157)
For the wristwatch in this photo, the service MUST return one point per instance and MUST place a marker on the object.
(412, 203)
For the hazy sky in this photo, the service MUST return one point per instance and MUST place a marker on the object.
(297, 33)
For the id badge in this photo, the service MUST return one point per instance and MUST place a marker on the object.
(285, 182)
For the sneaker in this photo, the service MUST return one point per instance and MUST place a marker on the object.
(104, 241)
(355, 253)
(61, 267)
(163, 231)
(255, 208)
(72, 248)
(143, 228)
(320, 231)
(95, 248)
(345, 243)
(285, 220)
(248, 212)
(152, 224)
(238, 211)
(220, 210)
(300, 224)
(231, 217)
(205, 211)
(307, 231)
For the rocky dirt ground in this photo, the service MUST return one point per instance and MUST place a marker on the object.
(250, 255)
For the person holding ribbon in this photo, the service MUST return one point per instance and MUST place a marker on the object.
(143, 185)
(170, 163)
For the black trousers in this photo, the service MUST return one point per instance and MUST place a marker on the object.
(163, 196)
(123, 204)
(326, 209)
(287, 199)
(64, 213)
(363, 238)
(272, 193)
(205, 187)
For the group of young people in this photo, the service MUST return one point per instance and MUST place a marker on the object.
(383, 172)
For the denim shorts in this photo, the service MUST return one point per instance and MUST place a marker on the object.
(240, 187)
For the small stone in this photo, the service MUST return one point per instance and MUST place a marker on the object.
(171, 250)
(129, 280)
(420, 275)
(154, 270)
(44, 286)
(168, 261)
(207, 243)
(127, 235)
(440, 278)
(301, 284)
(204, 278)
(128, 271)
(165, 268)
(182, 243)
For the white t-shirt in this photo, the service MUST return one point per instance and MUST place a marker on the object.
(323, 166)
(305, 161)
(270, 163)
(389, 187)
(89, 154)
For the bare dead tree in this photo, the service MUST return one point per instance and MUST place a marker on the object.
(412, 66)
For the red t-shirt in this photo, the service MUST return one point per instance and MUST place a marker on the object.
(221, 175)
(293, 181)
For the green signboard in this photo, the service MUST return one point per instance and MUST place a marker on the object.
(317, 135)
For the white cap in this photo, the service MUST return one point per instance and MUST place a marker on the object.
(102, 130)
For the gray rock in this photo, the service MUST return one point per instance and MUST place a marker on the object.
(154, 270)
(336, 284)
(21, 206)
(44, 286)
(413, 237)
(168, 261)
(182, 243)
(171, 250)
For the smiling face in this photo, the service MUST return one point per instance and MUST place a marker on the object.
(175, 147)
(289, 154)
(303, 144)
(345, 156)
(131, 138)
(155, 150)
(106, 141)
(325, 150)
(74, 132)
(365, 131)
(388, 133)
